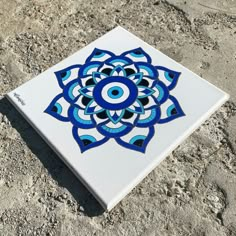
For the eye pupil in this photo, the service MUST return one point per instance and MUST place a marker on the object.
(98, 53)
(86, 142)
(171, 75)
(139, 142)
(54, 109)
(115, 92)
(138, 52)
(173, 111)
(63, 74)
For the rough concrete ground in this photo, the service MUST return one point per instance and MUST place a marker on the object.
(193, 192)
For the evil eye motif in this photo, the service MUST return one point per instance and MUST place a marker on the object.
(170, 110)
(66, 75)
(120, 97)
(161, 92)
(58, 108)
(86, 139)
(137, 55)
(99, 55)
(137, 139)
(168, 77)
(115, 93)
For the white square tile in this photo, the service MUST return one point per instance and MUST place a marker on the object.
(114, 109)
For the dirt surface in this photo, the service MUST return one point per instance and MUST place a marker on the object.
(192, 192)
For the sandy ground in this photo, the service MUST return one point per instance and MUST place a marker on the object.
(193, 192)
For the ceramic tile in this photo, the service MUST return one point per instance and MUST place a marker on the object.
(114, 109)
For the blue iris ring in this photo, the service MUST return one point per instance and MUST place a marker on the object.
(99, 97)
(115, 92)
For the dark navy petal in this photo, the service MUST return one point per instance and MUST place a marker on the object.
(79, 119)
(137, 55)
(170, 110)
(167, 76)
(139, 140)
(87, 139)
(68, 74)
(99, 55)
(58, 108)
(149, 118)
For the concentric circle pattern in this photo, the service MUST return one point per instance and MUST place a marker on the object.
(115, 96)
(115, 93)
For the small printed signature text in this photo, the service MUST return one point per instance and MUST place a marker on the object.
(19, 99)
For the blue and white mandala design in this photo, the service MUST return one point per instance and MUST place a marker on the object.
(118, 97)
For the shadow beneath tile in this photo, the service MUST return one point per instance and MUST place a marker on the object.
(56, 168)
